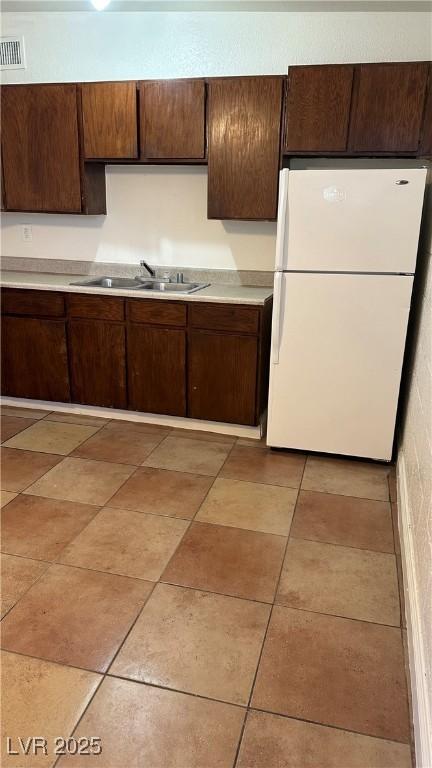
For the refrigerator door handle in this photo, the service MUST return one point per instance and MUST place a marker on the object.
(276, 322)
(282, 219)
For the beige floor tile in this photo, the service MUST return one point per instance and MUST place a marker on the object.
(258, 507)
(42, 699)
(21, 468)
(199, 457)
(26, 413)
(229, 561)
(334, 671)
(40, 528)
(195, 642)
(6, 497)
(263, 466)
(271, 741)
(127, 543)
(348, 478)
(161, 492)
(51, 437)
(401, 590)
(392, 481)
(250, 442)
(198, 434)
(144, 726)
(120, 441)
(11, 425)
(77, 418)
(396, 535)
(75, 617)
(343, 581)
(17, 576)
(343, 520)
(90, 482)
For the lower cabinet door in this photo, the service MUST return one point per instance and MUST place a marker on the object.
(97, 357)
(222, 377)
(34, 359)
(157, 369)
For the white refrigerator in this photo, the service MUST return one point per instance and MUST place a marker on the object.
(347, 242)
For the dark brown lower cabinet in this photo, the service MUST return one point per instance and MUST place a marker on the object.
(156, 369)
(223, 377)
(178, 358)
(34, 358)
(97, 361)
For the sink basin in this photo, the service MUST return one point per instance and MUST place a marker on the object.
(141, 283)
(111, 282)
(156, 285)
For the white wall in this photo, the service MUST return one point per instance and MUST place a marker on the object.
(160, 214)
(415, 471)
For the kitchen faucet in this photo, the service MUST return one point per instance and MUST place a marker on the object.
(151, 271)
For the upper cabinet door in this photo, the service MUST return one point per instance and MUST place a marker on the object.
(318, 108)
(172, 119)
(388, 102)
(41, 164)
(110, 124)
(244, 123)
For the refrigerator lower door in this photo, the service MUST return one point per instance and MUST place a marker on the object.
(335, 377)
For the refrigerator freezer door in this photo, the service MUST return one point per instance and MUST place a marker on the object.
(359, 220)
(335, 386)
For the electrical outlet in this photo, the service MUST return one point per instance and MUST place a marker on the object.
(27, 233)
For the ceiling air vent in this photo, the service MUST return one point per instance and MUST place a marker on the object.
(12, 53)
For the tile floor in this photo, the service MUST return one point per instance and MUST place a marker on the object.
(197, 601)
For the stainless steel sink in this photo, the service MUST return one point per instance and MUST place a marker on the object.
(141, 284)
(166, 287)
(111, 282)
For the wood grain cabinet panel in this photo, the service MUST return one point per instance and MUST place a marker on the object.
(388, 101)
(222, 377)
(110, 123)
(41, 163)
(157, 369)
(34, 358)
(97, 359)
(318, 108)
(244, 123)
(96, 307)
(172, 119)
(15, 301)
(224, 317)
(157, 312)
(425, 149)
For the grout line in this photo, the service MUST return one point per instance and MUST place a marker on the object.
(346, 546)
(328, 725)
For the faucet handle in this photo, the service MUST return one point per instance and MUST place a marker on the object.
(179, 277)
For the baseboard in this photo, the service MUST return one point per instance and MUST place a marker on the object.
(236, 430)
(421, 704)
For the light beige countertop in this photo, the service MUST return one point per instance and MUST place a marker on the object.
(216, 293)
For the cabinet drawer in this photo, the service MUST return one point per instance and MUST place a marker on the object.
(96, 307)
(20, 301)
(224, 317)
(156, 312)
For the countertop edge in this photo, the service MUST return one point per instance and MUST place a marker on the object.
(203, 296)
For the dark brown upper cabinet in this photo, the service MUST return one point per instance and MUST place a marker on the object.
(425, 149)
(318, 108)
(387, 111)
(40, 148)
(110, 125)
(244, 123)
(42, 168)
(172, 119)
